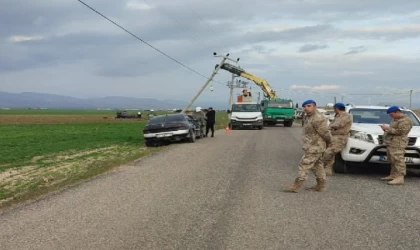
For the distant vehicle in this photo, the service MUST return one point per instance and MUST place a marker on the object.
(124, 114)
(171, 128)
(330, 114)
(299, 113)
(246, 115)
(278, 111)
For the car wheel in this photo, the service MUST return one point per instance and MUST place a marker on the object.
(149, 144)
(260, 127)
(288, 123)
(340, 165)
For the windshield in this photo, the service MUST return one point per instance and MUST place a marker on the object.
(377, 116)
(246, 108)
(280, 105)
(166, 119)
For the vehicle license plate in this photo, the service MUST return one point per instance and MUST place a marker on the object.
(247, 124)
(280, 120)
(407, 159)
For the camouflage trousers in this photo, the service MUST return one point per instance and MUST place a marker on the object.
(396, 159)
(311, 162)
(338, 143)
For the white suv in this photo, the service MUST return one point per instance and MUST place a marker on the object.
(365, 144)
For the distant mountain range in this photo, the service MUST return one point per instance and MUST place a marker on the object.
(42, 100)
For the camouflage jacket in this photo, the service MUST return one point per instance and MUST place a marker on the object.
(316, 135)
(200, 117)
(341, 124)
(397, 135)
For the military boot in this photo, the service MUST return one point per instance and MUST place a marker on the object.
(388, 178)
(295, 186)
(319, 187)
(391, 176)
(399, 180)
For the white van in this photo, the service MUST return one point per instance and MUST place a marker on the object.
(246, 114)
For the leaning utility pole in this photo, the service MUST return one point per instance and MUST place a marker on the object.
(218, 66)
(230, 85)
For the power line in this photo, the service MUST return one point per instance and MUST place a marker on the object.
(161, 52)
(198, 16)
(165, 12)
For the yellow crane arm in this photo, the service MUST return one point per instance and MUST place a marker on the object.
(263, 84)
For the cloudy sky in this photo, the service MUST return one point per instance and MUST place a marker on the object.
(314, 49)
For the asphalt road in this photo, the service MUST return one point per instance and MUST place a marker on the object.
(221, 193)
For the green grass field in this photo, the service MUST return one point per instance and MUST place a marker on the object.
(58, 112)
(42, 150)
(21, 142)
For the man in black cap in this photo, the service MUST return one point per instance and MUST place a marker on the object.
(211, 120)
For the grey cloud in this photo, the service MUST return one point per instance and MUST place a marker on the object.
(290, 35)
(311, 47)
(355, 50)
(109, 52)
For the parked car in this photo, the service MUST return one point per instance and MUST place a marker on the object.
(124, 114)
(171, 128)
(366, 144)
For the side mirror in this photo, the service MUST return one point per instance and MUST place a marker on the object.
(228, 111)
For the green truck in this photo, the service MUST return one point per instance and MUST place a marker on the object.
(278, 111)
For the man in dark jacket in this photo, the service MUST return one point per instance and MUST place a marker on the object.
(211, 120)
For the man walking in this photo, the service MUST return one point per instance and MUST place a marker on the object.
(396, 140)
(340, 128)
(211, 120)
(316, 137)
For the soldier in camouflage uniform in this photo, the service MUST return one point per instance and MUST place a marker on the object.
(316, 137)
(396, 140)
(340, 128)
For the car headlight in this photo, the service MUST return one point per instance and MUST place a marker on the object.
(358, 135)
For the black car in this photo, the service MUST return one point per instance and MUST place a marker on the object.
(170, 128)
(124, 114)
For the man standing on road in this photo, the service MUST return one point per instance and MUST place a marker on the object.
(211, 120)
(316, 138)
(199, 115)
(396, 140)
(340, 128)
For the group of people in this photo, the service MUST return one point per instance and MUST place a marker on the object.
(321, 142)
(207, 119)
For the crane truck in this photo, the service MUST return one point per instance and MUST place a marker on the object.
(275, 110)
